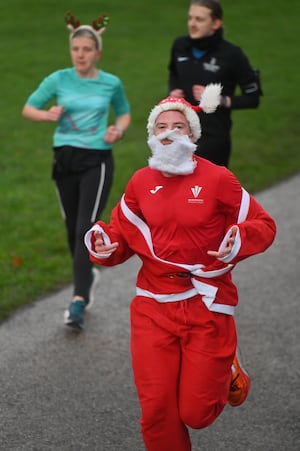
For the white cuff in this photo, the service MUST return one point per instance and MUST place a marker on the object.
(235, 249)
(88, 241)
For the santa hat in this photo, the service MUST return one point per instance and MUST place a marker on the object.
(210, 100)
(97, 27)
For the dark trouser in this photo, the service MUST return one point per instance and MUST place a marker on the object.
(216, 150)
(83, 196)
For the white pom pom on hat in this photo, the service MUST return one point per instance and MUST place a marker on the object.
(210, 100)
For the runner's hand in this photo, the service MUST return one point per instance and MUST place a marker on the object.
(228, 247)
(102, 248)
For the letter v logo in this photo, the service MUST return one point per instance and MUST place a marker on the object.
(196, 190)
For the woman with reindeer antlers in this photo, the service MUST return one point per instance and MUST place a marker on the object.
(83, 164)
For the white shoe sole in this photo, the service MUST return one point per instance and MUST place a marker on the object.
(66, 317)
(93, 288)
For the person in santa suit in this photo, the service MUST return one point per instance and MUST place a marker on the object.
(190, 222)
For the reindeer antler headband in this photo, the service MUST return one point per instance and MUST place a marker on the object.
(96, 29)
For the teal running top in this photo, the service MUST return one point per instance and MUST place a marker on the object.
(87, 103)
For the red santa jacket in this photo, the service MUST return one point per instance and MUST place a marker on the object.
(171, 223)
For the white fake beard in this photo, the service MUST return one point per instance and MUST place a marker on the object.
(175, 158)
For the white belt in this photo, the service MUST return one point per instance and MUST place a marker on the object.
(206, 298)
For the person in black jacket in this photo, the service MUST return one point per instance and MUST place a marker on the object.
(204, 57)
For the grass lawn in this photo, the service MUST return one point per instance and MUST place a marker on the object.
(34, 258)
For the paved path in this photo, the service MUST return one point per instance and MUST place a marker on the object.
(62, 391)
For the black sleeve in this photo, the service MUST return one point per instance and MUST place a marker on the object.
(247, 78)
(173, 82)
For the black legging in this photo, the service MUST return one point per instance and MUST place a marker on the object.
(83, 196)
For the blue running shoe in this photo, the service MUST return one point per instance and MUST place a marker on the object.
(73, 317)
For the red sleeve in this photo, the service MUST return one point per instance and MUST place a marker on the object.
(257, 229)
(114, 232)
(257, 232)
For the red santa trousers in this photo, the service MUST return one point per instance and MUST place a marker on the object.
(181, 356)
